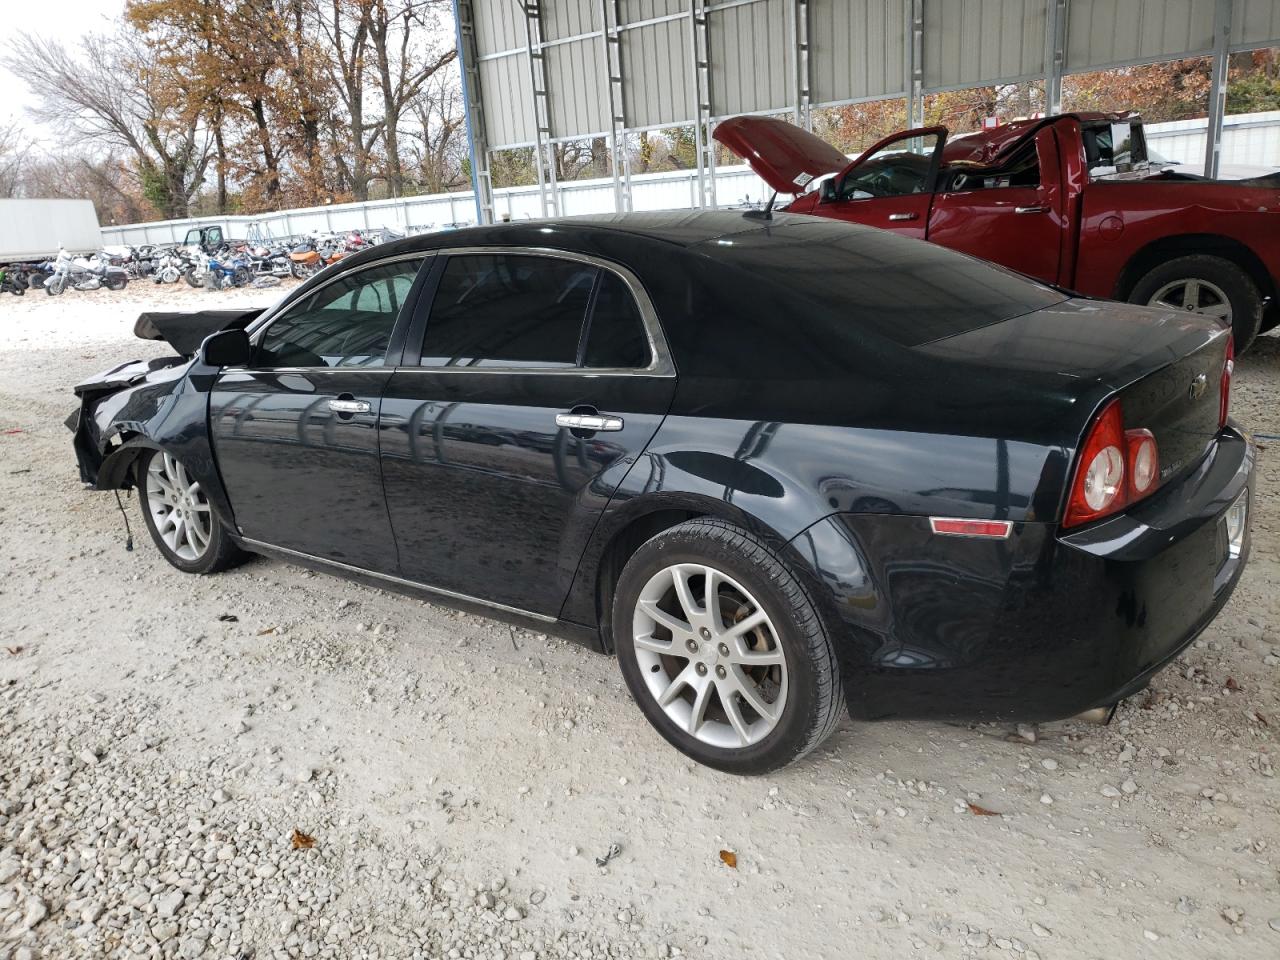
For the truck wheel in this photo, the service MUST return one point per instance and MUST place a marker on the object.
(1206, 285)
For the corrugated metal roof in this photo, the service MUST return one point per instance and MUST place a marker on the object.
(858, 50)
(967, 42)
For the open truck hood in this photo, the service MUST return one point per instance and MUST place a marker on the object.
(784, 156)
(186, 331)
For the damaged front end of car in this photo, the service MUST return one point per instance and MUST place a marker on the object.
(158, 404)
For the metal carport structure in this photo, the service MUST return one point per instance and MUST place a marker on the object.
(539, 72)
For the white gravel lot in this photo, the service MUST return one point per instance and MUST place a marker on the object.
(163, 736)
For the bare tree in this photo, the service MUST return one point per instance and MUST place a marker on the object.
(403, 68)
(14, 152)
(436, 140)
(85, 99)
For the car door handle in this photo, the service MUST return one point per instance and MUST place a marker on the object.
(588, 421)
(1030, 209)
(904, 216)
(349, 406)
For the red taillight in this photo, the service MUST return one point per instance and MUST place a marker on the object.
(1224, 394)
(1115, 468)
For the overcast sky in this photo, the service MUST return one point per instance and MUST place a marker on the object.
(65, 20)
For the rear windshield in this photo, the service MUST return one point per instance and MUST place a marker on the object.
(872, 281)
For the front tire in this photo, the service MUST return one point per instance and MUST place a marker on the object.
(180, 518)
(1206, 285)
(745, 683)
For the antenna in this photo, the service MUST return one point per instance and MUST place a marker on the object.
(766, 213)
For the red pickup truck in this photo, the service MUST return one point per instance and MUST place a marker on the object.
(1068, 199)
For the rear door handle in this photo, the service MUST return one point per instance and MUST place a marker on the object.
(904, 216)
(349, 406)
(595, 422)
(1030, 209)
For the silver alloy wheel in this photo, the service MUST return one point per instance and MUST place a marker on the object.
(1194, 296)
(709, 655)
(179, 508)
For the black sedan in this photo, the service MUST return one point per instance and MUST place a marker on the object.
(778, 467)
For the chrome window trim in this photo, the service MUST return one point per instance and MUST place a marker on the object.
(259, 327)
(660, 364)
(390, 578)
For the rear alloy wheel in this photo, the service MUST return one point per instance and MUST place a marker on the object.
(181, 520)
(1207, 285)
(722, 649)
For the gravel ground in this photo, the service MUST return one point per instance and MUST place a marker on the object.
(273, 763)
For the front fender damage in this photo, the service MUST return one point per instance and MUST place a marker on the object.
(161, 404)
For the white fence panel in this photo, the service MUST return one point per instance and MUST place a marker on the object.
(1251, 138)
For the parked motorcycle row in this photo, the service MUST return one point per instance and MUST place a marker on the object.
(233, 264)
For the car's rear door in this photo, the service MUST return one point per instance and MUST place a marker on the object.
(1012, 214)
(492, 488)
(295, 433)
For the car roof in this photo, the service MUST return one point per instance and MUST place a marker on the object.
(682, 228)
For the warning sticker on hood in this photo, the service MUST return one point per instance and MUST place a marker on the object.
(803, 179)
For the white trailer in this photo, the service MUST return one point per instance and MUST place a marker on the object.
(35, 229)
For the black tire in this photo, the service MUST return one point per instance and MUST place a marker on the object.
(241, 277)
(37, 281)
(117, 283)
(192, 280)
(55, 287)
(1241, 292)
(815, 697)
(221, 553)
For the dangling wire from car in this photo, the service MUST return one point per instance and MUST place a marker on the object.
(128, 534)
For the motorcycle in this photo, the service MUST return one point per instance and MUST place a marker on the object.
(12, 281)
(169, 267)
(309, 258)
(82, 274)
(263, 261)
(218, 272)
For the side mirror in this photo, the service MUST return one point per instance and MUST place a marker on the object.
(829, 189)
(226, 348)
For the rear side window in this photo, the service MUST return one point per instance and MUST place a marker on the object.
(615, 335)
(496, 310)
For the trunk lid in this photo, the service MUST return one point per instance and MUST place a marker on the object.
(783, 155)
(1153, 360)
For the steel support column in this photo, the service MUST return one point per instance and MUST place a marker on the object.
(473, 107)
(915, 63)
(704, 146)
(619, 165)
(1055, 54)
(1218, 87)
(544, 152)
(803, 114)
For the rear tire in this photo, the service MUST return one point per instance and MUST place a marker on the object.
(1213, 280)
(180, 519)
(193, 280)
(785, 664)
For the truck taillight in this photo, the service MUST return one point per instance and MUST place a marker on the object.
(1115, 468)
(1224, 394)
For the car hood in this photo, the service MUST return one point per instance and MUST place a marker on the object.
(186, 331)
(783, 155)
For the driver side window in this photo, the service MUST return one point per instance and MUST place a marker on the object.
(346, 323)
(897, 169)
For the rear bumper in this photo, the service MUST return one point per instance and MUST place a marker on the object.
(1036, 627)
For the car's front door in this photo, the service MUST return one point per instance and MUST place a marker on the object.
(295, 434)
(541, 378)
(890, 186)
